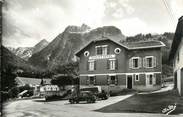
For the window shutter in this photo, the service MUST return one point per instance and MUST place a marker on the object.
(133, 76)
(87, 65)
(116, 64)
(116, 80)
(95, 80)
(107, 49)
(154, 79)
(108, 64)
(87, 80)
(140, 62)
(95, 65)
(144, 62)
(130, 63)
(154, 61)
(108, 79)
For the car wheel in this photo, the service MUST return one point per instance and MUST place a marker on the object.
(93, 101)
(88, 101)
(46, 98)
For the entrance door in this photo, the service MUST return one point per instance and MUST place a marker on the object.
(129, 81)
(175, 80)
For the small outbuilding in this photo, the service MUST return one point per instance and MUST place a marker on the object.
(32, 82)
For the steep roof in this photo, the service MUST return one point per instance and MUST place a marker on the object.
(100, 39)
(128, 45)
(32, 81)
(177, 38)
(144, 44)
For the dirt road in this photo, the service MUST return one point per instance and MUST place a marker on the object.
(39, 108)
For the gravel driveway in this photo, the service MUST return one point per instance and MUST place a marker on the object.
(39, 108)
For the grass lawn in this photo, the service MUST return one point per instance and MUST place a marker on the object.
(147, 103)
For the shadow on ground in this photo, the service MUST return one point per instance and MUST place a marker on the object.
(148, 103)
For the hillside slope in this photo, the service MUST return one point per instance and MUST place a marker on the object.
(11, 60)
(61, 50)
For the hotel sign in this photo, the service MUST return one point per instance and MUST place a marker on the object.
(102, 56)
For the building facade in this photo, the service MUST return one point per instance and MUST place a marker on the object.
(176, 56)
(115, 66)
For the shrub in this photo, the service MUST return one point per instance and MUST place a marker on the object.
(4, 96)
(13, 92)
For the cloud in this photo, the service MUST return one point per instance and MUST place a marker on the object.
(35, 19)
(89, 12)
(177, 8)
(117, 9)
(33, 23)
(131, 26)
(26, 22)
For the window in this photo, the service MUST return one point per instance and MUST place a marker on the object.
(112, 80)
(99, 50)
(91, 65)
(112, 64)
(117, 50)
(102, 50)
(135, 62)
(150, 79)
(136, 77)
(149, 62)
(91, 80)
(86, 53)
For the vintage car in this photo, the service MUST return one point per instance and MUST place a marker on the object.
(97, 91)
(102, 95)
(87, 96)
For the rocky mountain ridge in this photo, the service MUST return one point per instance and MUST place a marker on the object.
(26, 52)
(61, 50)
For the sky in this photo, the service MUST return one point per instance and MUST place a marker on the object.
(26, 22)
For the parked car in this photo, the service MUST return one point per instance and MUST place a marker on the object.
(103, 95)
(26, 93)
(87, 96)
(97, 91)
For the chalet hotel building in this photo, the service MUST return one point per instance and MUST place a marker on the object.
(115, 66)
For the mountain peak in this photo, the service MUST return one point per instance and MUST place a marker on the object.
(43, 41)
(109, 29)
(61, 50)
(39, 46)
(77, 29)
